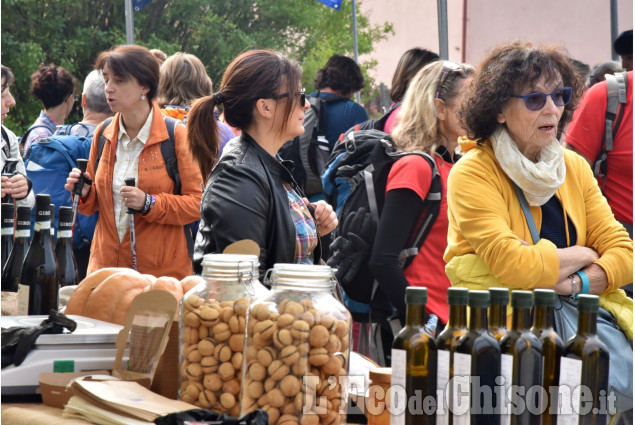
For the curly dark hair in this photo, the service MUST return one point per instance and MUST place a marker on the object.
(507, 70)
(340, 73)
(52, 85)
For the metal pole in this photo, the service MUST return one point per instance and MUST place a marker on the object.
(129, 22)
(614, 34)
(357, 95)
(442, 13)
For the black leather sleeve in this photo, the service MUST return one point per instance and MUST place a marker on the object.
(402, 209)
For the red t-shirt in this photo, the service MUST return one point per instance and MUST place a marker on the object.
(393, 120)
(428, 268)
(585, 135)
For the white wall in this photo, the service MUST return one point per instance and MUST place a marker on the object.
(581, 26)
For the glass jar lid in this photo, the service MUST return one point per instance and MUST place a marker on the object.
(229, 264)
(300, 275)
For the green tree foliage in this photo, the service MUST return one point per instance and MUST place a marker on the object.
(71, 33)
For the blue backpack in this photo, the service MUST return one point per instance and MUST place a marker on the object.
(47, 164)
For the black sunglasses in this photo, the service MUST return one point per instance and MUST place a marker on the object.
(536, 100)
(302, 95)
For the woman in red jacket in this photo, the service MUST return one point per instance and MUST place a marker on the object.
(133, 150)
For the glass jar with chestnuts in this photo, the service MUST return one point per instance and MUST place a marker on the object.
(297, 349)
(212, 331)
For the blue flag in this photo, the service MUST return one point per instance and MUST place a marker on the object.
(335, 4)
(139, 4)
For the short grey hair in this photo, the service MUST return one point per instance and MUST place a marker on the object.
(95, 91)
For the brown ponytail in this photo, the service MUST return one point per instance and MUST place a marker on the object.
(202, 134)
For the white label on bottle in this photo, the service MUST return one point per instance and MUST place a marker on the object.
(23, 300)
(398, 402)
(507, 364)
(443, 377)
(569, 391)
(461, 391)
(67, 234)
(7, 231)
(41, 225)
(22, 233)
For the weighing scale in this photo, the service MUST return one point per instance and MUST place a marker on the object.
(90, 347)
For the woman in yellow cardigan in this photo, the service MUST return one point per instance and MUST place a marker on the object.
(520, 99)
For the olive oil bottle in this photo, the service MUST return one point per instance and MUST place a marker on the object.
(446, 343)
(544, 303)
(521, 363)
(497, 314)
(585, 363)
(477, 364)
(414, 365)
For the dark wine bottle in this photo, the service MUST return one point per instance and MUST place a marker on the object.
(585, 363)
(13, 268)
(53, 224)
(68, 274)
(446, 343)
(544, 302)
(414, 364)
(497, 314)
(39, 284)
(477, 364)
(521, 364)
(7, 212)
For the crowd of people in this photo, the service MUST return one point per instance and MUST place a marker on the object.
(515, 141)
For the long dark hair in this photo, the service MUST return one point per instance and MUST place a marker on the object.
(252, 75)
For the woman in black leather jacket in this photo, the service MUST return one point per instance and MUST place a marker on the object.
(250, 193)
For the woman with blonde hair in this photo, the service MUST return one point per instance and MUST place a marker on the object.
(428, 123)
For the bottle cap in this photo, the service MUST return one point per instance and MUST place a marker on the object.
(24, 218)
(588, 303)
(43, 207)
(66, 218)
(478, 299)
(7, 215)
(499, 296)
(522, 299)
(457, 296)
(416, 295)
(544, 298)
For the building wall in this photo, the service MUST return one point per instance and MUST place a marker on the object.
(582, 26)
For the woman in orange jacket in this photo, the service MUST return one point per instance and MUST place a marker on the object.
(132, 149)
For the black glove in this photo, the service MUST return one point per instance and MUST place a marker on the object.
(18, 341)
(351, 250)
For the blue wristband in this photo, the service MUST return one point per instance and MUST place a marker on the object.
(586, 285)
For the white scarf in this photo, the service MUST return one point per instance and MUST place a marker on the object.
(538, 181)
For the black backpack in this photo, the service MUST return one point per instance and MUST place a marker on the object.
(355, 184)
(168, 152)
(310, 151)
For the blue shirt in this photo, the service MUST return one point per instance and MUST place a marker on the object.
(340, 116)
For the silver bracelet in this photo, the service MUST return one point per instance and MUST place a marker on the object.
(574, 288)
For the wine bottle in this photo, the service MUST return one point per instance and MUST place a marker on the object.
(68, 274)
(497, 314)
(521, 364)
(477, 364)
(7, 232)
(53, 224)
(585, 363)
(551, 343)
(39, 284)
(414, 362)
(446, 343)
(13, 268)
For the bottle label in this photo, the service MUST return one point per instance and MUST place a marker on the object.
(507, 364)
(42, 225)
(23, 300)
(569, 391)
(461, 391)
(64, 234)
(398, 405)
(7, 231)
(443, 377)
(23, 233)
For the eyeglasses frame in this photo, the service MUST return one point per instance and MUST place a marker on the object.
(565, 90)
(448, 67)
